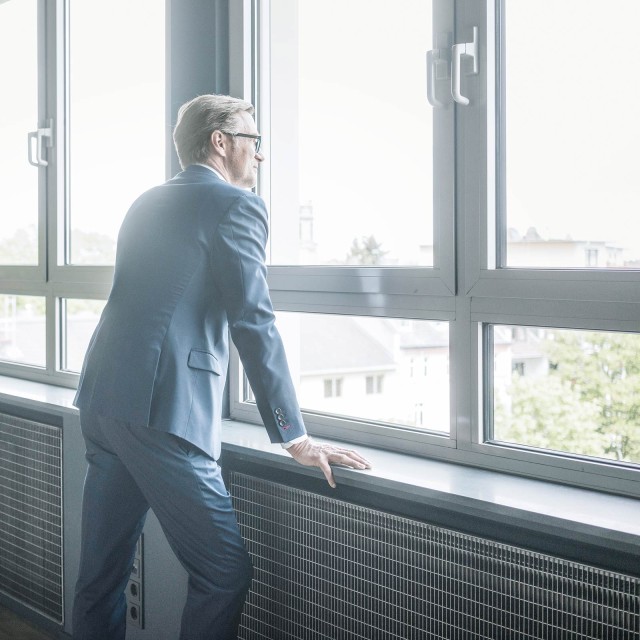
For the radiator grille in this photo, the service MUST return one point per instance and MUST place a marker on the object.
(31, 514)
(330, 569)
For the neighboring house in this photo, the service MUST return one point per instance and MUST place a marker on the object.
(345, 368)
(394, 371)
(532, 250)
(423, 351)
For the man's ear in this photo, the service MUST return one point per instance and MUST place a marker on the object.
(219, 145)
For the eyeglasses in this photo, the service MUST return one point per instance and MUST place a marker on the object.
(256, 137)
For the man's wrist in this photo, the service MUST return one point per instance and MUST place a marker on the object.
(290, 443)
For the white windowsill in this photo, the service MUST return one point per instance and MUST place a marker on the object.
(573, 513)
(580, 515)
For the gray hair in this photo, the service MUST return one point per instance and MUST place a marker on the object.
(198, 119)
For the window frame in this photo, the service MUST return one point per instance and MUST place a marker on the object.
(54, 278)
(466, 287)
(554, 298)
(482, 291)
(422, 293)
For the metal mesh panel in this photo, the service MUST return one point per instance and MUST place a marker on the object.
(31, 514)
(329, 569)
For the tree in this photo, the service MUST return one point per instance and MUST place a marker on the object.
(589, 403)
(366, 250)
(21, 248)
(547, 413)
(604, 368)
(93, 248)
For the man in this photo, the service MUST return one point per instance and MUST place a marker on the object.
(190, 267)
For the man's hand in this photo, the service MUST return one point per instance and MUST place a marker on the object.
(312, 454)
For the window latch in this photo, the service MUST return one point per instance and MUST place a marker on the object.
(458, 50)
(43, 137)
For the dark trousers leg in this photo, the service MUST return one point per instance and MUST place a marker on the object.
(184, 488)
(113, 514)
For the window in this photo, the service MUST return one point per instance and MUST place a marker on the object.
(335, 93)
(569, 179)
(551, 293)
(116, 98)
(22, 330)
(332, 387)
(374, 384)
(364, 295)
(451, 209)
(79, 319)
(356, 367)
(21, 90)
(541, 255)
(587, 404)
(93, 115)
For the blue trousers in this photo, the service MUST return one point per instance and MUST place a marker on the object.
(132, 469)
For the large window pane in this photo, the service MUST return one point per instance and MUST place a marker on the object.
(380, 369)
(18, 116)
(568, 390)
(22, 329)
(117, 134)
(572, 134)
(79, 319)
(350, 152)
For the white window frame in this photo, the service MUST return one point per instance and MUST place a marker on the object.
(54, 278)
(403, 292)
(476, 294)
(553, 298)
(466, 287)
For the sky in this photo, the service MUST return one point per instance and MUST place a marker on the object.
(117, 137)
(571, 110)
(573, 130)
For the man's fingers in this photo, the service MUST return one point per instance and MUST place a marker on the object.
(324, 455)
(347, 461)
(328, 474)
(349, 458)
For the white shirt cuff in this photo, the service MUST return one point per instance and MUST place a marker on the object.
(286, 445)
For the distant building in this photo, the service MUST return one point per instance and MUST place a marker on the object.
(532, 250)
(345, 368)
(388, 370)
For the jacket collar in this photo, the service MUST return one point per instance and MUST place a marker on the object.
(197, 173)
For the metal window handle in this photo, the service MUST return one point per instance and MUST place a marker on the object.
(39, 136)
(459, 50)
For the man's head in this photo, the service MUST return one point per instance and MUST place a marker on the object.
(219, 131)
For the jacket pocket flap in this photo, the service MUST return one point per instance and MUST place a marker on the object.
(204, 360)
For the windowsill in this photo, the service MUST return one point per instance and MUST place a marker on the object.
(37, 396)
(579, 515)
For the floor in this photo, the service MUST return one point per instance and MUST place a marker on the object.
(14, 628)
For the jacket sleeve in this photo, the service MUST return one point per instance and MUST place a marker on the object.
(239, 270)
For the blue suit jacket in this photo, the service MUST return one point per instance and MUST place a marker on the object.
(190, 265)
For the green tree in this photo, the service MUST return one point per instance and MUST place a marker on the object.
(604, 369)
(546, 412)
(589, 403)
(366, 250)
